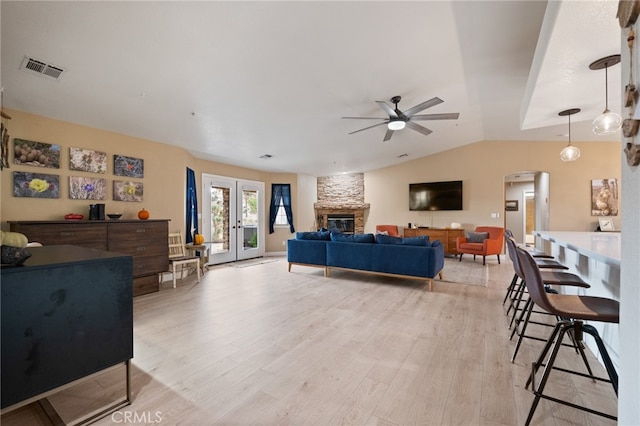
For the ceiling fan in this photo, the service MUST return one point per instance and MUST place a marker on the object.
(398, 120)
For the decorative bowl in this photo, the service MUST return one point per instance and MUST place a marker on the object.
(114, 216)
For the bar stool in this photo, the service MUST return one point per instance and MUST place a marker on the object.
(573, 310)
(508, 234)
(549, 277)
(516, 291)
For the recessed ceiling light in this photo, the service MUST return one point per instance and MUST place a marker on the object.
(266, 156)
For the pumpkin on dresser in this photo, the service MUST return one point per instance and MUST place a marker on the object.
(143, 214)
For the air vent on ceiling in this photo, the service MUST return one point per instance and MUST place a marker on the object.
(42, 68)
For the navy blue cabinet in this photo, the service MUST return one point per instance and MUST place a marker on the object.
(66, 313)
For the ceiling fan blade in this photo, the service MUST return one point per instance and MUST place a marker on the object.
(419, 128)
(387, 135)
(426, 104)
(387, 109)
(370, 127)
(365, 118)
(445, 116)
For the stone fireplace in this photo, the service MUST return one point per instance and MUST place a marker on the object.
(341, 197)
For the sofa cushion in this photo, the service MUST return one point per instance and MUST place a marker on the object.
(476, 237)
(422, 240)
(386, 239)
(352, 238)
(320, 235)
(436, 243)
(411, 241)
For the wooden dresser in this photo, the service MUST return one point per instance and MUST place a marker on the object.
(446, 236)
(147, 241)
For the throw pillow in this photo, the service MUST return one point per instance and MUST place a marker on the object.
(436, 243)
(412, 241)
(320, 235)
(422, 240)
(382, 232)
(476, 237)
(386, 239)
(352, 238)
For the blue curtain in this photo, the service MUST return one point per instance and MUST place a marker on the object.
(280, 191)
(192, 206)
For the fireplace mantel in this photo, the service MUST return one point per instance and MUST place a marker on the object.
(341, 206)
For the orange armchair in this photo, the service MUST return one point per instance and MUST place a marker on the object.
(491, 245)
(392, 230)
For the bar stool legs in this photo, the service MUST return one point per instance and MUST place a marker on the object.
(553, 346)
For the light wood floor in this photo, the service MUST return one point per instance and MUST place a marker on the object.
(260, 345)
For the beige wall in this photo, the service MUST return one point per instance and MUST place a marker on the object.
(482, 167)
(164, 175)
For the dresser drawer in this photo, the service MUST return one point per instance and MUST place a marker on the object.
(91, 235)
(145, 265)
(136, 230)
(145, 285)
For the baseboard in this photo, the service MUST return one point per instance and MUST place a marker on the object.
(275, 253)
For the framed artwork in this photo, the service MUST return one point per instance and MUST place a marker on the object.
(127, 190)
(511, 205)
(128, 166)
(37, 154)
(604, 197)
(606, 224)
(36, 185)
(87, 160)
(87, 188)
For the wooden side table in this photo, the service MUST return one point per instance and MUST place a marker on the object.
(201, 251)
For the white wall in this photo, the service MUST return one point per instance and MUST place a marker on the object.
(629, 390)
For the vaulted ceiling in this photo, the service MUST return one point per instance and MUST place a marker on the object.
(233, 81)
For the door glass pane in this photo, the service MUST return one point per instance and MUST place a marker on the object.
(219, 219)
(249, 219)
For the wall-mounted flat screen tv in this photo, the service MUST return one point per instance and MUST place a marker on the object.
(435, 195)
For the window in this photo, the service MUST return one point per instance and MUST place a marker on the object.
(281, 215)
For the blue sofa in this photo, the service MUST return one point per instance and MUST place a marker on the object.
(416, 257)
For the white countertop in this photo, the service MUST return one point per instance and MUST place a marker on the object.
(601, 246)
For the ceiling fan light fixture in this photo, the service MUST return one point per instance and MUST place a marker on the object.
(396, 125)
(606, 123)
(569, 152)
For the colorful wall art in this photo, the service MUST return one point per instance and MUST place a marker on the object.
(128, 166)
(37, 154)
(86, 188)
(36, 185)
(87, 160)
(127, 191)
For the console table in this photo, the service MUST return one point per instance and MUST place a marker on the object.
(146, 240)
(446, 236)
(67, 314)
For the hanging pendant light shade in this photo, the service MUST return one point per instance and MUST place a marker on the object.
(570, 152)
(607, 122)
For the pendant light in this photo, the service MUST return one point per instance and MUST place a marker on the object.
(570, 152)
(607, 122)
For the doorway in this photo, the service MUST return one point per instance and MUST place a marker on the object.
(528, 191)
(233, 218)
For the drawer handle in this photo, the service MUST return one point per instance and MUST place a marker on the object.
(143, 248)
(66, 234)
(141, 230)
(141, 266)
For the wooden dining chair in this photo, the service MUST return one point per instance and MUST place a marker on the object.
(178, 257)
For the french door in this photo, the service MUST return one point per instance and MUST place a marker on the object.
(232, 218)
